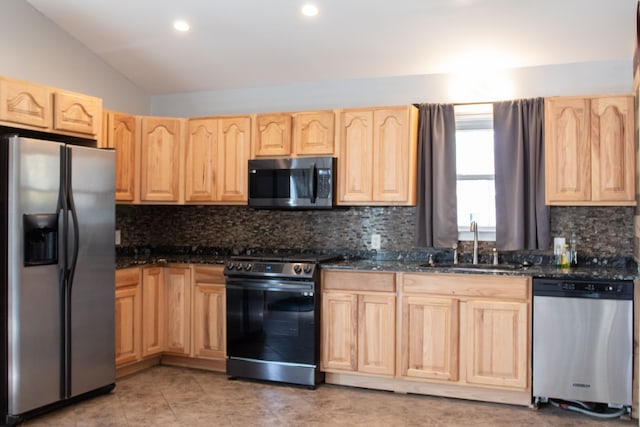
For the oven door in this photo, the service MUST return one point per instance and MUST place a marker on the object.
(271, 320)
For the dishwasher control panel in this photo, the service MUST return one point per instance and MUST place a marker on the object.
(581, 288)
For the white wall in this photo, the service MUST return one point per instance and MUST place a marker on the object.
(33, 48)
(565, 79)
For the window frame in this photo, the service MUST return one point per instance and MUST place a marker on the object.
(474, 117)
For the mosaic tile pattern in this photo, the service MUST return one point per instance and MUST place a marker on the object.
(601, 231)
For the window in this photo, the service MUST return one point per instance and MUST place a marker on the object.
(475, 171)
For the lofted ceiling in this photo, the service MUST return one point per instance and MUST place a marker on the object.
(259, 43)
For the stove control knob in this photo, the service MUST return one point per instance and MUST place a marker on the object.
(248, 266)
(230, 266)
(307, 268)
(297, 269)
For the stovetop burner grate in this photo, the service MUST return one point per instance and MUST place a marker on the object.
(292, 258)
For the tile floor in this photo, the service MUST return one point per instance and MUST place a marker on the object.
(178, 397)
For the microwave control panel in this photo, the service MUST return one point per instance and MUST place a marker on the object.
(324, 183)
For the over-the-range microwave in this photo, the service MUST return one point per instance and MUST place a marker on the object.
(292, 183)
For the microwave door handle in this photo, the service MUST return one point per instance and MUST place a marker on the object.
(314, 182)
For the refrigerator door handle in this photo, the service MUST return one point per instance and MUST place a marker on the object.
(71, 206)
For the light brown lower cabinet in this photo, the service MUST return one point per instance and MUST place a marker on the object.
(458, 335)
(173, 314)
(177, 313)
(358, 322)
(468, 329)
(209, 313)
(128, 316)
(152, 311)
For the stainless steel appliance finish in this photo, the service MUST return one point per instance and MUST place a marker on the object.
(273, 319)
(295, 183)
(583, 340)
(57, 272)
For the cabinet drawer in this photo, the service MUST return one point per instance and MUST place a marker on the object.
(127, 277)
(359, 281)
(471, 285)
(213, 275)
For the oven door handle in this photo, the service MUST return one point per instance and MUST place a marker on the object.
(268, 285)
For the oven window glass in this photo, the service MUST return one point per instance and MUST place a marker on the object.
(280, 184)
(270, 325)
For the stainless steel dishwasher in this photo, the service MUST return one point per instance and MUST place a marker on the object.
(583, 340)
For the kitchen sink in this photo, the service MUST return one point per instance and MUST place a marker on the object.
(476, 267)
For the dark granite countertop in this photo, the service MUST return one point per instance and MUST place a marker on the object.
(133, 261)
(591, 268)
(598, 272)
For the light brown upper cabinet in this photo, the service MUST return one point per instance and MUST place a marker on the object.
(217, 151)
(120, 134)
(378, 156)
(305, 133)
(589, 150)
(314, 133)
(161, 152)
(28, 104)
(272, 135)
(32, 106)
(77, 113)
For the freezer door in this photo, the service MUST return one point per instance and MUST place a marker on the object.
(93, 288)
(33, 294)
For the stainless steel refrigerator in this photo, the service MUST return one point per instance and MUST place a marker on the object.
(58, 273)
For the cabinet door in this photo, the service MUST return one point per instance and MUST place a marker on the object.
(613, 149)
(161, 151)
(209, 321)
(25, 104)
(314, 133)
(74, 112)
(497, 344)
(356, 157)
(121, 135)
(567, 150)
(430, 335)
(234, 145)
(152, 309)
(127, 325)
(339, 331)
(177, 290)
(394, 156)
(128, 319)
(376, 334)
(201, 155)
(273, 135)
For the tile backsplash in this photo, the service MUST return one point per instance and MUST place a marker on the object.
(601, 231)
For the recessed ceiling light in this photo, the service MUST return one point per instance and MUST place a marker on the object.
(181, 26)
(309, 10)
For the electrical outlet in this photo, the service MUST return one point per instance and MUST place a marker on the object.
(375, 241)
(118, 237)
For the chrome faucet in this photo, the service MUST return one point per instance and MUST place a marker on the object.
(474, 228)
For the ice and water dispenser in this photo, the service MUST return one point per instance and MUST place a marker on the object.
(40, 239)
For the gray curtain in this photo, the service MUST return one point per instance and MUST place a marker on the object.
(436, 221)
(522, 219)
